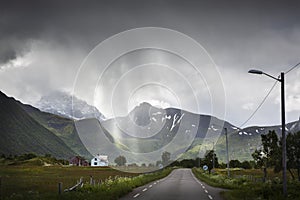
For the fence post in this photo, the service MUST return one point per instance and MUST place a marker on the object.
(91, 180)
(59, 187)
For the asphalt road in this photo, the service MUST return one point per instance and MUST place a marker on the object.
(180, 184)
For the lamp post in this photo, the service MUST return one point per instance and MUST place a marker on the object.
(281, 80)
(227, 154)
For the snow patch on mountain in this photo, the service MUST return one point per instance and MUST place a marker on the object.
(213, 128)
(66, 105)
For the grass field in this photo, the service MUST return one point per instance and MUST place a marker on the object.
(41, 182)
(26, 181)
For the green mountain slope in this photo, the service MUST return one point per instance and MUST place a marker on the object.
(20, 133)
(62, 127)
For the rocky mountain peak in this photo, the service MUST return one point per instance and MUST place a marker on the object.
(64, 104)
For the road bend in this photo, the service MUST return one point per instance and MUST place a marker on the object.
(179, 184)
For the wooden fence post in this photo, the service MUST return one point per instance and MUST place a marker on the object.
(59, 187)
(91, 180)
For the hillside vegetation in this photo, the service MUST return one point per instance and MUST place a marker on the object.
(20, 133)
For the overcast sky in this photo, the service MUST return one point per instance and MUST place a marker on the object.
(42, 45)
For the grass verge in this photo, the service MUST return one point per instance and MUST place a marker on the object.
(114, 188)
(243, 188)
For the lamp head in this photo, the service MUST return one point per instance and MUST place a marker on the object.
(254, 71)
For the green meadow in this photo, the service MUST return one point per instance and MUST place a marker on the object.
(41, 182)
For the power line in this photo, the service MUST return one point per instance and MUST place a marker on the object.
(259, 106)
(265, 98)
(292, 68)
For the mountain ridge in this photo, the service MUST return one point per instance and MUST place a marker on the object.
(146, 126)
(20, 133)
(66, 105)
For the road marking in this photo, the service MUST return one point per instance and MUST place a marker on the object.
(144, 189)
(195, 178)
(210, 197)
(155, 183)
(138, 194)
(150, 186)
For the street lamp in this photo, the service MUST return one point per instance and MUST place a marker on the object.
(281, 80)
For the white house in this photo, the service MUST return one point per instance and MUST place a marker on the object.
(99, 161)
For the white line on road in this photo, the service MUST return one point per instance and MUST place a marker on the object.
(200, 184)
(138, 194)
(155, 183)
(150, 186)
(144, 189)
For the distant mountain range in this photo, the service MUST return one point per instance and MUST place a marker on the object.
(136, 131)
(24, 128)
(66, 105)
(154, 128)
(243, 142)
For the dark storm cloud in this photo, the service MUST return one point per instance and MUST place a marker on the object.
(57, 35)
(92, 21)
(7, 54)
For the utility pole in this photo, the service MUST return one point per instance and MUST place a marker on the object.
(199, 162)
(213, 156)
(227, 155)
(283, 135)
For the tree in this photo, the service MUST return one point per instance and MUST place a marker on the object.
(246, 165)
(27, 156)
(222, 165)
(253, 164)
(150, 165)
(261, 161)
(235, 164)
(210, 159)
(198, 162)
(132, 165)
(165, 157)
(188, 163)
(293, 153)
(270, 155)
(120, 160)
